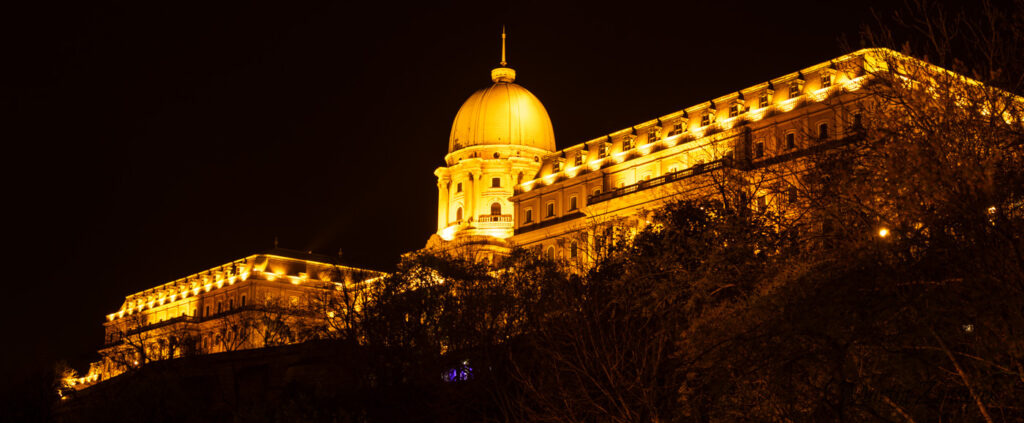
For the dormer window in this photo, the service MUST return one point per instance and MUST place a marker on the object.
(627, 142)
(765, 99)
(737, 107)
(653, 134)
(556, 166)
(603, 147)
(796, 87)
(707, 118)
(578, 161)
(826, 80)
(676, 129)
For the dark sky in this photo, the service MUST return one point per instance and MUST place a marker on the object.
(156, 139)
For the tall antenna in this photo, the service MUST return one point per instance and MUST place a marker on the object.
(503, 63)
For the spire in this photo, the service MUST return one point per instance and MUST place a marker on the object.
(503, 63)
(502, 73)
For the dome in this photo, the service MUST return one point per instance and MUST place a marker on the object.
(503, 114)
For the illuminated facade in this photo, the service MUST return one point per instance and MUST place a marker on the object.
(505, 184)
(258, 301)
(559, 197)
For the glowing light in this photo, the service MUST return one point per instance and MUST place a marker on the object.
(820, 94)
(756, 116)
(220, 283)
(330, 314)
(883, 232)
(208, 287)
(854, 84)
(448, 233)
(245, 276)
(195, 291)
(787, 105)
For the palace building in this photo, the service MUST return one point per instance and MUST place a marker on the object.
(505, 184)
(257, 301)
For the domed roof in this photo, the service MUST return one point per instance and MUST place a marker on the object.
(503, 114)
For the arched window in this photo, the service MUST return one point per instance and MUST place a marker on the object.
(551, 252)
(823, 131)
(458, 214)
(495, 209)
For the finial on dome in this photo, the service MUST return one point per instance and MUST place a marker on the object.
(503, 63)
(503, 74)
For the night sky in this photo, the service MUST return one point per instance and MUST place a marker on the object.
(156, 139)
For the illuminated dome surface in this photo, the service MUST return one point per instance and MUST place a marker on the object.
(503, 114)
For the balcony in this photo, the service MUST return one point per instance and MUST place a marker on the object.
(499, 221)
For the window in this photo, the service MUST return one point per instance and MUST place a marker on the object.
(677, 129)
(758, 150)
(734, 110)
(823, 131)
(705, 120)
(243, 301)
(556, 166)
(764, 100)
(826, 81)
(231, 304)
(573, 250)
(551, 253)
(207, 312)
(458, 187)
(794, 90)
(627, 143)
(495, 209)
(653, 135)
(551, 210)
(218, 307)
(602, 151)
(762, 203)
(458, 214)
(790, 140)
(495, 182)
(529, 216)
(791, 195)
(572, 203)
(579, 159)
(597, 191)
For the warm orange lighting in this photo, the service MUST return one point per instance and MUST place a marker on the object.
(883, 232)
